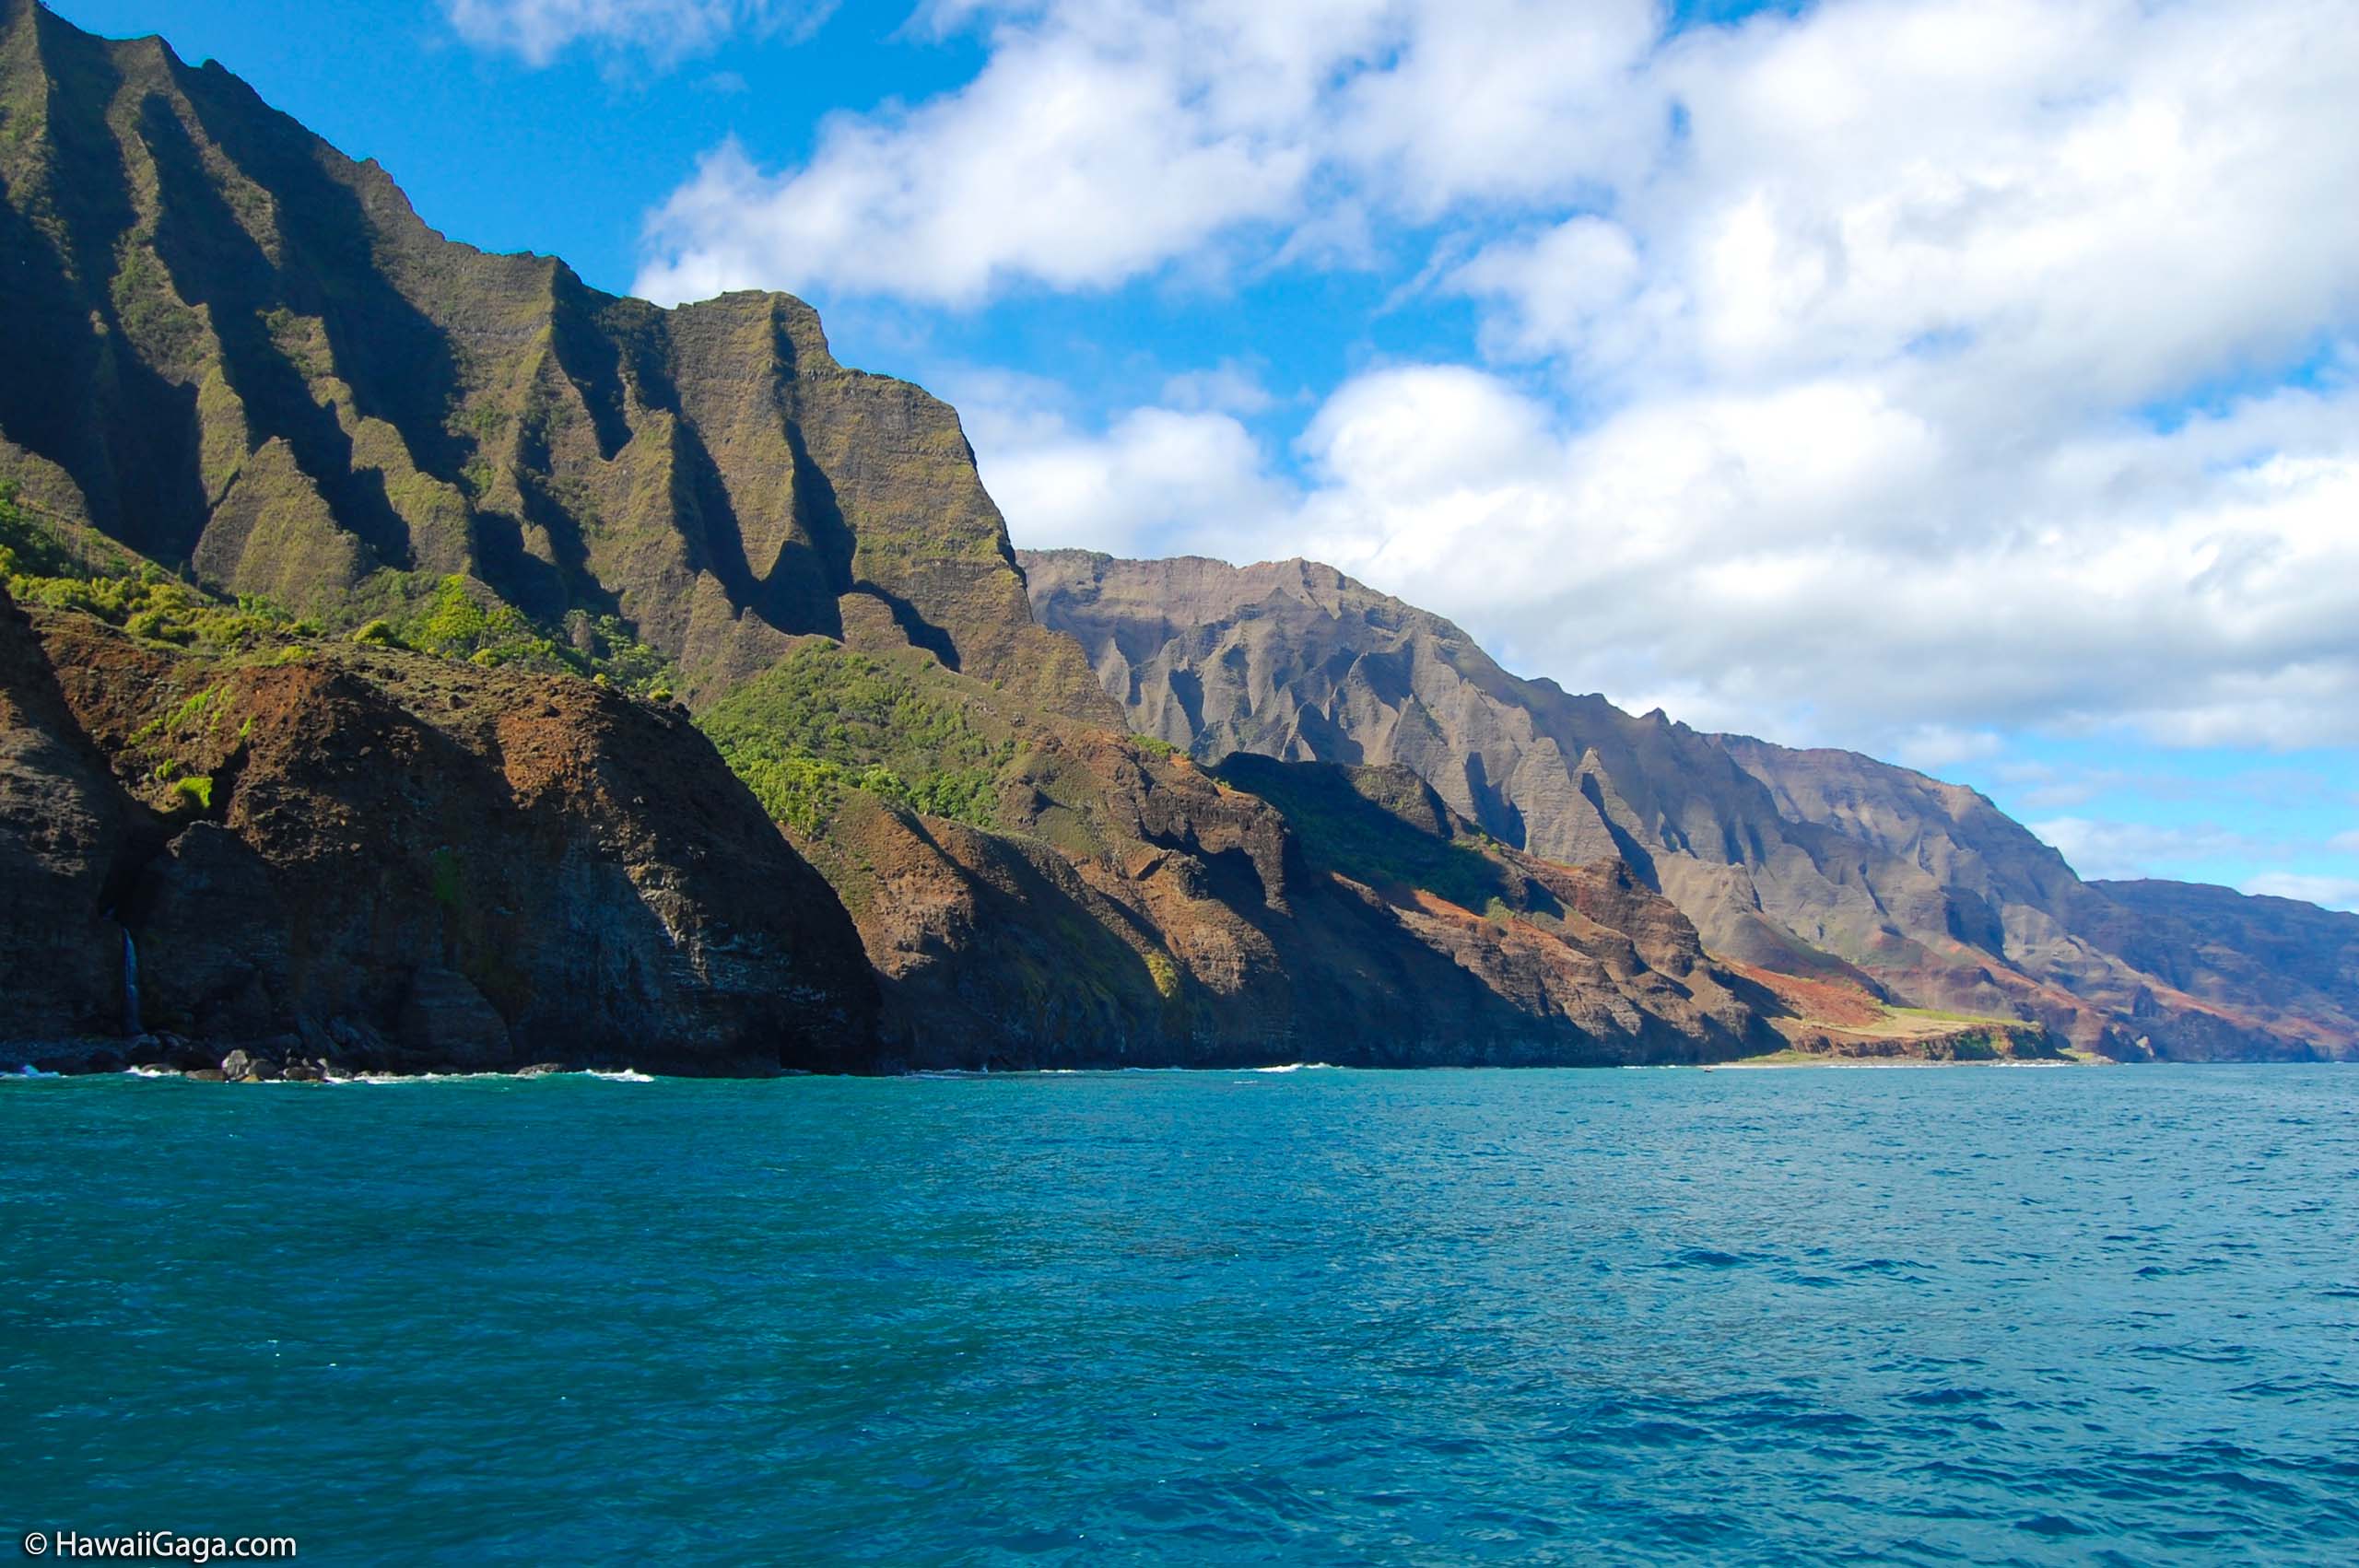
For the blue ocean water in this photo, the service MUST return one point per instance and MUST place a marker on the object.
(1925, 1316)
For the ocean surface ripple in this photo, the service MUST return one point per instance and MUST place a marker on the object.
(1935, 1316)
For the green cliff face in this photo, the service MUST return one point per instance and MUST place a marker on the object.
(240, 353)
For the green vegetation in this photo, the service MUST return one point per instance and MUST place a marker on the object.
(66, 568)
(610, 647)
(1342, 830)
(452, 621)
(195, 722)
(1942, 1016)
(828, 719)
(192, 711)
(29, 548)
(457, 619)
(1154, 747)
(449, 878)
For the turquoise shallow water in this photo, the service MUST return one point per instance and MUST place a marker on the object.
(1321, 1317)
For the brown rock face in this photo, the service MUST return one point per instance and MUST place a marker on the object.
(1819, 864)
(259, 363)
(2164, 969)
(409, 863)
(2276, 966)
(1115, 906)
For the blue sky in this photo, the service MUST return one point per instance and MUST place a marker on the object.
(1967, 381)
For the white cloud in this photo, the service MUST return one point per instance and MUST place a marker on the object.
(1930, 748)
(2331, 892)
(665, 31)
(2044, 787)
(1154, 477)
(1824, 348)
(1815, 557)
(1107, 139)
(1101, 140)
(1513, 101)
(1575, 290)
(2088, 204)
(1230, 386)
(2118, 850)
(2345, 843)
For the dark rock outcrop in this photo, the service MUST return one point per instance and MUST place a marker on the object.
(64, 827)
(402, 863)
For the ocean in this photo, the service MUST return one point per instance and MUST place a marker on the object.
(1939, 1314)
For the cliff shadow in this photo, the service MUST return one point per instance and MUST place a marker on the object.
(397, 361)
(214, 261)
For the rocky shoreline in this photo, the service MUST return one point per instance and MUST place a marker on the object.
(282, 1060)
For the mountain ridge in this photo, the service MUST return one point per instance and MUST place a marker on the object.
(268, 370)
(465, 533)
(313, 498)
(1807, 862)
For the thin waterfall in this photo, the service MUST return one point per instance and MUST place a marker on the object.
(131, 985)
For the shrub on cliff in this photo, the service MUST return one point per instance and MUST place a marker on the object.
(828, 719)
(53, 564)
(459, 619)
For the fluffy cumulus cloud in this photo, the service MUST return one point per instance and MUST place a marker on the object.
(1190, 470)
(1936, 748)
(662, 30)
(1106, 139)
(1897, 373)
(1827, 555)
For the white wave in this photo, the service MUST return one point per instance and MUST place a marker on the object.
(410, 1077)
(627, 1075)
(29, 1070)
(149, 1072)
(1297, 1067)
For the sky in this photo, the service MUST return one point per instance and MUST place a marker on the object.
(1970, 382)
